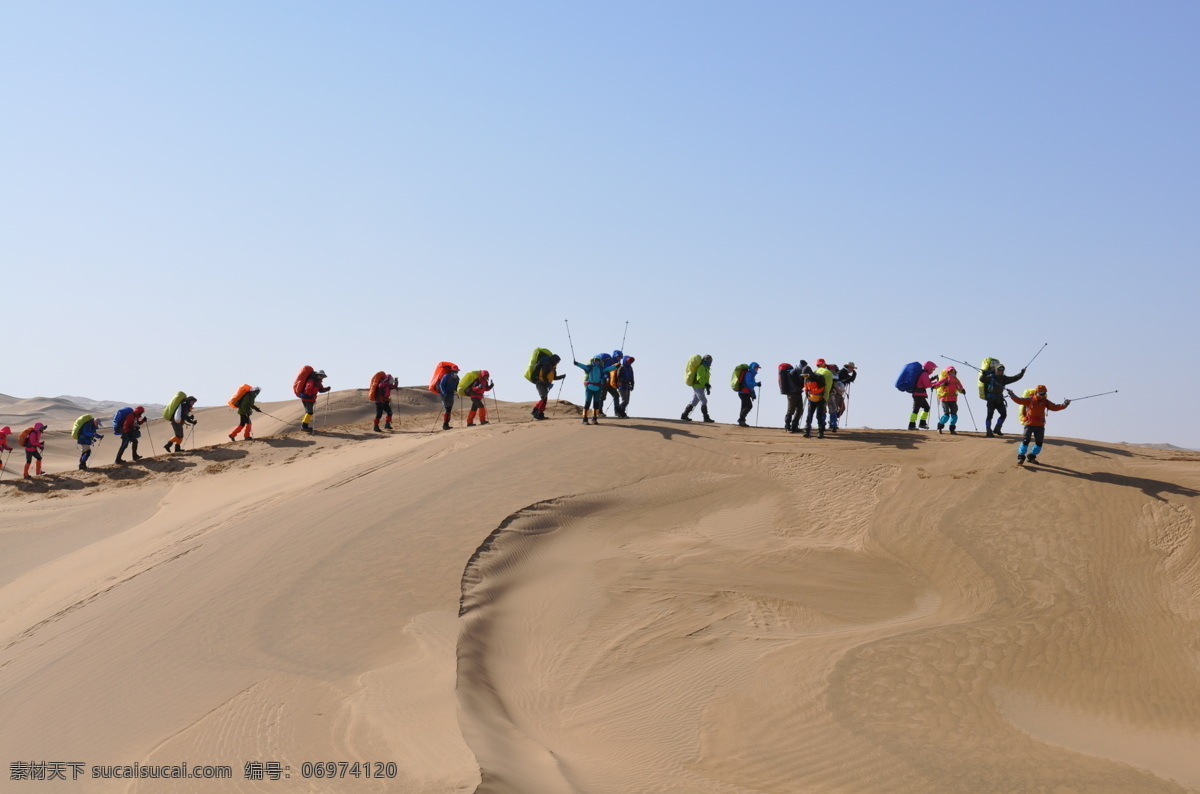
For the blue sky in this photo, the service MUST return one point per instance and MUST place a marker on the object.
(200, 195)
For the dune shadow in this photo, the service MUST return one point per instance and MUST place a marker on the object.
(900, 439)
(122, 472)
(162, 465)
(1152, 488)
(1092, 449)
(65, 483)
(220, 453)
(283, 442)
(668, 433)
(345, 436)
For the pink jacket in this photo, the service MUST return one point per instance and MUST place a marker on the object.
(949, 388)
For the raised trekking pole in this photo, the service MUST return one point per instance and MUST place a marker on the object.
(965, 364)
(623, 337)
(1035, 355)
(570, 341)
(1090, 396)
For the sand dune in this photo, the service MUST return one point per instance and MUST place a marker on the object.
(646, 605)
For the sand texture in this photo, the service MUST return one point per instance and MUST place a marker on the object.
(639, 606)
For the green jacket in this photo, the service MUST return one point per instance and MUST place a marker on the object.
(702, 376)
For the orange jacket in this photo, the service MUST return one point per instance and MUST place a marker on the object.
(1035, 409)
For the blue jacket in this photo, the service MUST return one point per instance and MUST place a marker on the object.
(448, 385)
(594, 377)
(87, 433)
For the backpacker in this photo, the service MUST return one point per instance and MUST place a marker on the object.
(535, 360)
(378, 379)
(988, 365)
(614, 377)
(465, 382)
(738, 379)
(785, 378)
(439, 372)
(242, 391)
(23, 438)
(814, 387)
(689, 372)
(907, 381)
(301, 379)
(119, 418)
(79, 423)
(169, 411)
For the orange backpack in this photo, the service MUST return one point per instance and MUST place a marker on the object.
(239, 394)
(301, 379)
(23, 439)
(377, 380)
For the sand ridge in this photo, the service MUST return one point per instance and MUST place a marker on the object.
(644, 605)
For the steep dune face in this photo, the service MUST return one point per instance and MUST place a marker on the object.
(639, 606)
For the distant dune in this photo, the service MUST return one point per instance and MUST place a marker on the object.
(642, 605)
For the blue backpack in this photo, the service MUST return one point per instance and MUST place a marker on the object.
(907, 381)
(119, 419)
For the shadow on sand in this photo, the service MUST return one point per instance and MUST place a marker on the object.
(1155, 489)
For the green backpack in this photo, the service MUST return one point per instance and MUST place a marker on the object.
(689, 372)
(987, 364)
(169, 411)
(465, 382)
(79, 423)
(739, 377)
(538, 353)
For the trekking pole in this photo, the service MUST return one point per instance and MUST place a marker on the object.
(495, 403)
(570, 341)
(967, 400)
(191, 437)
(4, 468)
(1035, 355)
(965, 364)
(757, 408)
(1090, 396)
(623, 337)
(150, 435)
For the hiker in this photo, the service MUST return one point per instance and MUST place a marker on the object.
(995, 382)
(447, 387)
(1034, 419)
(31, 439)
(791, 385)
(128, 422)
(746, 391)
(593, 380)
(948, 388)
(817, 384)
(383, 401)
(5, 432)
(181, 416)
(920, 395)
(542, 373)
(312, 386)
(244, 403)
(698, 375)
(609, 387)
(829, 373)
(623, 377)
(88, 433)
(475, 391)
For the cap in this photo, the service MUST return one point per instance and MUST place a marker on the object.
(139, 410)
(1040, 389)
(319, 373)
(820, 362)
(257, 388)
(849, 365)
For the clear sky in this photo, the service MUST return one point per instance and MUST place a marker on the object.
(196, 195)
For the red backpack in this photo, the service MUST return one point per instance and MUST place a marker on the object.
(301, 379)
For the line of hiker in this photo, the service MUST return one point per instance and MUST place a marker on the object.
(605, 375)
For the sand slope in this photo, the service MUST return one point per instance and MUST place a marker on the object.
(641, 606)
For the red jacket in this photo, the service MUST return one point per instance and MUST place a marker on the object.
(312, 387)
(1035, 409)
(476, 389)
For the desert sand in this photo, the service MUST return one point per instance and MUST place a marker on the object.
(641, 606)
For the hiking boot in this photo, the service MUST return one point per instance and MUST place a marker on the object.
(820, 434)
(596, 419)
(939, 430)
(953, 430)
(585, 420)
(940, 426)
(707, 418)
(742, 423)
(249, 438)
(534, 413)
(167, 446)
(1020, 460)
(119, 461)
(997, 432)
(484, 422)
(923, 426)
(376, 429)
(1032, 459)
(445, 425)
(687, 414)
(83, 467)
(306, 427)
(137, 456)
(470, 424)
(387, 426)
(808, 432)
(539, 416)
(178, 448)
(912, 425)
(232, 437)
(833, 430)
(989, 434)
